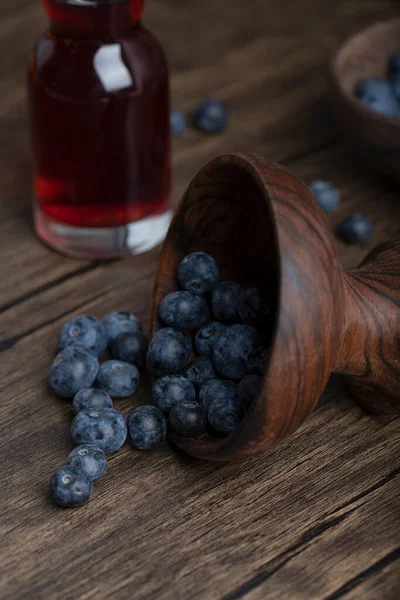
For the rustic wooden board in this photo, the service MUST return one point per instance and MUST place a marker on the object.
(316, 518)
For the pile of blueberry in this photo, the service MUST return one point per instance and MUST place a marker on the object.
(210, 116)
(211, 392)
(357, 228)
(382, 95)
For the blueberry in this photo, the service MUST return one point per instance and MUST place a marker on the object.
(91, 399)
(253, 308)
(177, 122)
(211, 116)
(184, 310)
(356, 229)
(236, 345)
(395, 81)
(91, 459)
(217, 389)
(198, 273)
(131, 348)
(147, 427)
(224, 415)
(327, 195)
(73, 369)
(248, 389)
(119, 379)
(103, 428)
(70, 487)
(171, 390)
(85, 331)
(258, 361)
(199, 371)
(367, 84)
(188, 419)
(120, 322)
(395, 63)
(207, 336)
(379, 96)
(224, 301)
(168, 353)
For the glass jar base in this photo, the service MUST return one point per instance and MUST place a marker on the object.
(102, 243)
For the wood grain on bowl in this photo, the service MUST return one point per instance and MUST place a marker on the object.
(375, 137)
(265, 228)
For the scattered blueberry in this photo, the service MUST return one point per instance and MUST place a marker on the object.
(236, 345)
(253, 308)
(147, 427)
(224, 415)
(198, 273)
(211, 116)
(91, 459)
(119, 379)
(207, 336)
(356, 229)
(85, 331)
(168, 353)
(131, 348)
(171, 390)
(199, 371)
(70, 487)
(178, 122)
(188, 419)
(248, 389)
(379, 96)
(217, 389)
(224, 301)
(120, 322)
(327, 194)
(103, 428)
(366, 85)
(73, 369)
(91, 399)
(184, 310)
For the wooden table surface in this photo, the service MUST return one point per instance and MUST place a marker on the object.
(318, 517)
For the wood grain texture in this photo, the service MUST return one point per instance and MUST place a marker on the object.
(317, 516)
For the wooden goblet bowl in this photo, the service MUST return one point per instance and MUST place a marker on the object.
(265, 228)
(374, 137)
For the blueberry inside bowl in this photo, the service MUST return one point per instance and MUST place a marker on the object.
(363, 97)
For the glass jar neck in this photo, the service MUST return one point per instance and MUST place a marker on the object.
(93, 18)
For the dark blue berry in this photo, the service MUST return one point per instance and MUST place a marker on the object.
(188, 419)
(73, 369)
(252, 307)
(91, 399)
(119, 379)
(184, 310)
(91, 459)
(168, 353)
(103, 428)
(200, 370)
(258, 361)
(207, 336)
(120, 322)
(225, 415)
(86, 331)
(198, 273)
(70, 487)
(327, 195)
(171, 390)
(147, 427)
(224, 301)
(379, 95)
(236, 345)
(131, 348)
(248, 389)
(366, 85)
(395, 63)
(217, 389)
(395, 81)
(356, 229)
(211, 116)
(178, 122)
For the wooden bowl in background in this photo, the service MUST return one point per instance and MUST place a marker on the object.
(374, 137)
(265, 229)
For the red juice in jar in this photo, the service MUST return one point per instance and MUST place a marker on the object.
(99, 118)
